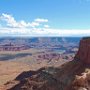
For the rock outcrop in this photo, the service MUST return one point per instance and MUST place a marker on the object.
(81, 82)
(84, 51)
(48, 78)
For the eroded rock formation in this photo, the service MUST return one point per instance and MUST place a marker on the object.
(84, 51)
(12, 47)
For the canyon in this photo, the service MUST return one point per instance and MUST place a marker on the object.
(71, 75)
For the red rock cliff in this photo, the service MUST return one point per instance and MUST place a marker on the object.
(83, 53)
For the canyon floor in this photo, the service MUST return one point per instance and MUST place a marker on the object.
(10, 68)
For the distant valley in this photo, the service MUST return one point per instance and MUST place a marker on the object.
(22, 54)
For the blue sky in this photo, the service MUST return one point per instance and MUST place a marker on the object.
(44, 17)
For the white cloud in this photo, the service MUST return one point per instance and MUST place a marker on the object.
(39, 32)
(22, 28)
(9, 19)
(11, 22)
(41, 20)
(33, 24)
(46, 26)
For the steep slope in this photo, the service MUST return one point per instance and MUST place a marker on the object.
(84, 51)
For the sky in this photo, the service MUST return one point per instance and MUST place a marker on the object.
(44, 18)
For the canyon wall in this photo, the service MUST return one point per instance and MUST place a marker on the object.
(83, 53)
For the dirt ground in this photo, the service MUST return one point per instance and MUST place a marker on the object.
(9, 70)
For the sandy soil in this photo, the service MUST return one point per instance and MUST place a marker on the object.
(9, 70)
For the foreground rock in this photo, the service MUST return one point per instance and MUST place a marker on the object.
(48, 78)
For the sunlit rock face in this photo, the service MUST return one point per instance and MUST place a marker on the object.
(84, 51)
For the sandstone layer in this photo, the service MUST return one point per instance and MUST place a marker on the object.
(84, 51)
